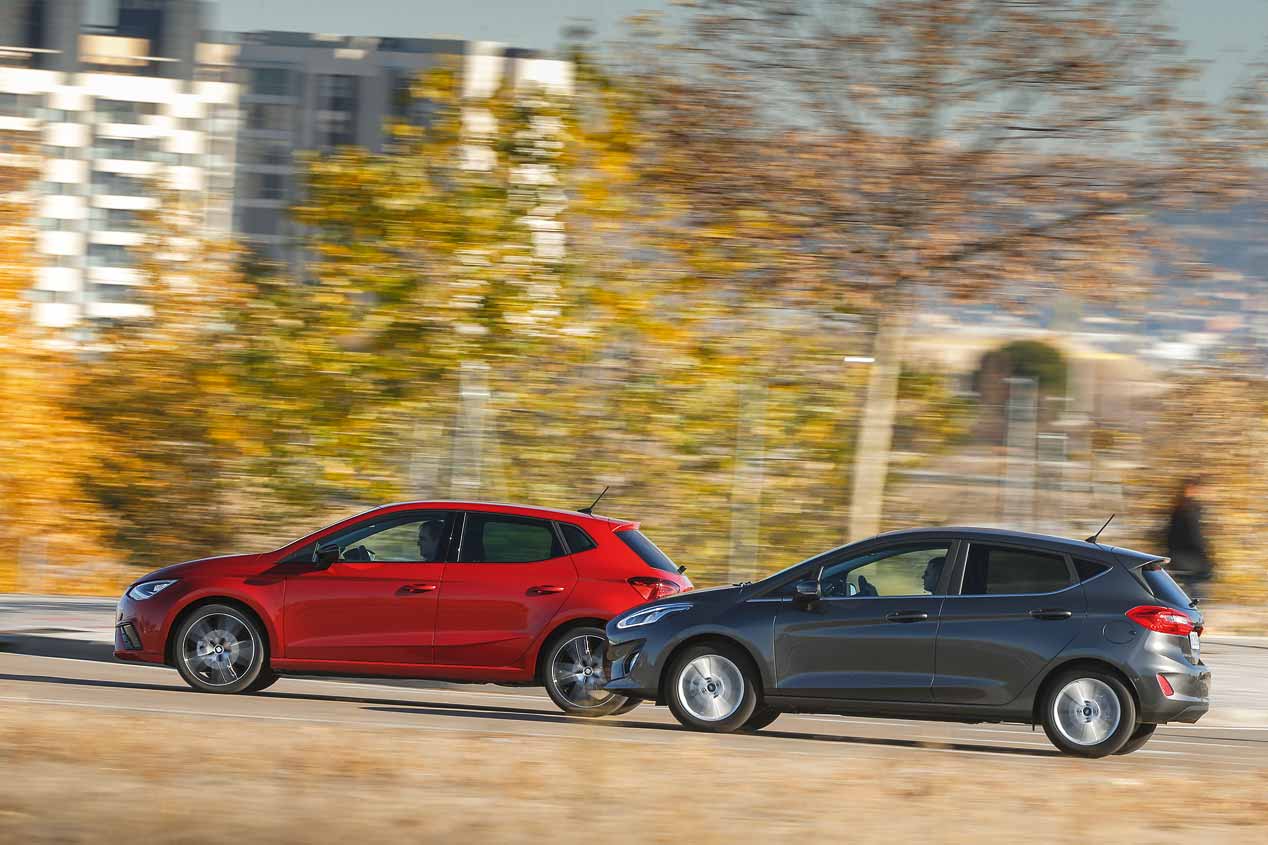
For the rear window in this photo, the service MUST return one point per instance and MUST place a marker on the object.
(647, 550)
(1163, 586)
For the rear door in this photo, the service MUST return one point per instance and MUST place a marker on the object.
(511, 577)
(1012, 610)
(872, 636)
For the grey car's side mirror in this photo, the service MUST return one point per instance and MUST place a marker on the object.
(326, 555)
(807, 592)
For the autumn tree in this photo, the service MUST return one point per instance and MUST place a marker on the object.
(54, 532)
(173, 424)
(986, 149)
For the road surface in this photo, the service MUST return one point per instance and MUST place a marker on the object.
(53, 653)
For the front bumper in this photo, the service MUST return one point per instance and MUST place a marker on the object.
(634, 658)
(139, 632)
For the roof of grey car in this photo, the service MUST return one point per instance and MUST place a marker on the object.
(1003, 534)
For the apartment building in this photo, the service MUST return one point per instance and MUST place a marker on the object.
(114, 118)
(117, 117)
(305, 91)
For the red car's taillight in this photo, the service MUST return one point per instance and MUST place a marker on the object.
(1164, 620)
(653, 588)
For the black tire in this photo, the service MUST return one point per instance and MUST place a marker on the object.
(630, 704)
(264, 680)
(705, 677)
(1087, 698)
(762, 716)
(576, 655)
(220, 648)
(1143, 733)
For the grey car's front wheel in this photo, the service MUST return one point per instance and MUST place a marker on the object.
(573, 674)
(710, 688)
(220, 648)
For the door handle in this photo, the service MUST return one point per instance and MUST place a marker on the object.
(414, 589)
(907, 616)
(544, 590)
(1053, 613)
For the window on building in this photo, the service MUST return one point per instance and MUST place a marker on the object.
(123, 111)
(113, 293)
(109, 255)
(269, 117)
(271, 81)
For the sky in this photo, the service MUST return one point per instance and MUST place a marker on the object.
(1226, 34)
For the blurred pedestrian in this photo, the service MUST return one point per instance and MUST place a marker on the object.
(1186, 541)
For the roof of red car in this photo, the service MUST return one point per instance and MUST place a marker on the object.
(554, 513)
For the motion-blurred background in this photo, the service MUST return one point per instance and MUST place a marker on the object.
(780, 273)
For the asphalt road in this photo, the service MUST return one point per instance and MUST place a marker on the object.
(45, 658)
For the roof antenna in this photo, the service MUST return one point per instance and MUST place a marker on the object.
(590, 509)
(1092, 539)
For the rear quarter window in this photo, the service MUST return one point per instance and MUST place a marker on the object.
(647, 550)
(576, 538)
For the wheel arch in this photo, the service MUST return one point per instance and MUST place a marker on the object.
(236, 602)
(557, 631)
(754, 666)
(1049, 677)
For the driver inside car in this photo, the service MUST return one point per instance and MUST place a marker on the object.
(429, 537)
(933, 572)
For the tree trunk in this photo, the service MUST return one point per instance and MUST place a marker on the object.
(876, 430)
(746, 485)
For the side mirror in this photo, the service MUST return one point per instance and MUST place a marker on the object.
(807, 592)
(325, 555)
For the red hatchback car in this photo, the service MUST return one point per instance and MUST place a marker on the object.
(455, 591)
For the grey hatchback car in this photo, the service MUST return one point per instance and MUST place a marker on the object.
(1095, 643)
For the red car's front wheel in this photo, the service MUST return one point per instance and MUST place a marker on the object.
(220, 648)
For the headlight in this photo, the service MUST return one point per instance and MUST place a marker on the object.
(148, 588)
(651, 614)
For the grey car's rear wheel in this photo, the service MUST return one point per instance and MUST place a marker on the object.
(762, 716)
(220, 648)
(1088, 713)
(573, 674)
(1143, 733)
(710, 688)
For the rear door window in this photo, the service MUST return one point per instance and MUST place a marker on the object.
(503, 538)
(1004, 570)
(647, 550)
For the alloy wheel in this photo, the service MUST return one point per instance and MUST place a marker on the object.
(1086, 711)
(218, 649)
(711, 687)
(577, 671)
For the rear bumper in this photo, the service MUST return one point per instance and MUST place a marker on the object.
(1189, 700)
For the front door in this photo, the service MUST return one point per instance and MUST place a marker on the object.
(511, 578)
(1014, 611)
(871, 637)
(377, 603)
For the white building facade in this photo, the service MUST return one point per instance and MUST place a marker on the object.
(113, 130)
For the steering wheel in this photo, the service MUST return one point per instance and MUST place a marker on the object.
(357, 554)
